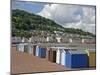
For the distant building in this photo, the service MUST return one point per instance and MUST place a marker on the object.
(58, 39)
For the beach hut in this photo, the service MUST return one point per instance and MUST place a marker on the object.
(52, 55)
(63, 56)
(30, 48)
(47, 53)
(34, 49)
(76, 59)
(37, 50)
(92, 57)
(20, 47)
(26, 48)
(40, 52)
(58, 54)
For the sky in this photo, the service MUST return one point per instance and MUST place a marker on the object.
(66, 15)
(28, 6)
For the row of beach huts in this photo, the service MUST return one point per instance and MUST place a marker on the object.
(69, 57)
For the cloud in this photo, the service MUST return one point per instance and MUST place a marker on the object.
(85, 27)
(88, 15)
(75, 16)
(60, 13)
(48, 11)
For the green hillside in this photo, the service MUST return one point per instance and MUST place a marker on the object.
(24, 22)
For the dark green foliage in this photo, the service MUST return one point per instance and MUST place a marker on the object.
(23, 22)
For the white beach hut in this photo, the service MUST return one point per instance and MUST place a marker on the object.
(63, 53)
(37, 50)
(58, 53)
(20, 47)
(30, 48)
